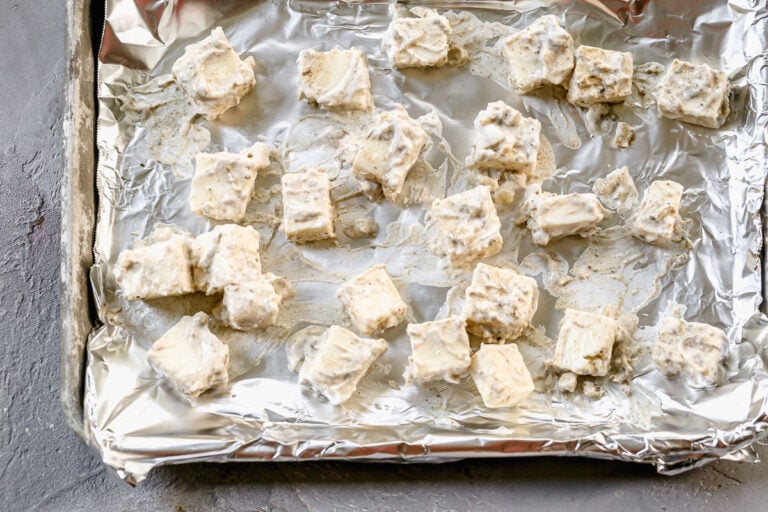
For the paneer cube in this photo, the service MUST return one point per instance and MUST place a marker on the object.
(250, 304)
(541, 53)
(336, 79)
(658, 218)
(692, 351)
(464, 227)
(213, 76)
(226, 255)
(223, 182)
(439, 351)
(417, 42)
(160, 269)
(554, 216)
(372, 301)
(585, 343)
(190, 357)
(505, 140)
(600, 76)
(693, 93)
(500, 303)
(624, 135)
(390, 149)
(501, 376)
(308, 212)
(617, 191)
(338, 363)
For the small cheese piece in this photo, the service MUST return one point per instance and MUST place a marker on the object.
(693, 93)
(223, 182)
(307, 209)
(338, 362)
(361, 227)
(464, 227)
(501, 376)
(440, 351)
(624, 136)
(617, 191)
(554, 216)
(585, 343)
(213, 75)
(692, 351)
(500, 303)
(190, 356)
(504, 140)
(250, 304)
(372, 301)
(567, 382)
(335, 80)
(390, 149)
(160, 269)
(225, 255)
(541, 53)
(658, 217)
(417, 42)
(600, 76)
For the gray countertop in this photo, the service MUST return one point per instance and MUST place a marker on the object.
(43, 466)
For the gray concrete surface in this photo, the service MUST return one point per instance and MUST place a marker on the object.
(44, 467)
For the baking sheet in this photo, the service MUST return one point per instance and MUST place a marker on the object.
(144, 170)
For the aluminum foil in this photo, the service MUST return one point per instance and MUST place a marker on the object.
(147, 136)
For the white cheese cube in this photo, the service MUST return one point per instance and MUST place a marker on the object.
(499, 303)
(585, 343)
(225, 255)
(505, 140)
(624, 135)
(500, 375)
(372, 301)
(693, 93)
(190, 357)
(464, 227)
(338, 362)
(223, 182)
(160, 269)
(439, 351)
(390, 149)
(213, 75)
(658, 217)
(541, 53)
(554, 216)
(307, 209)
(417, 42)
(617, 191)
(335, 80)
(600, 76)
(250, 304)
(692, 351)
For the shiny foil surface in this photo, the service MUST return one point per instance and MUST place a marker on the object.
(146, 140)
